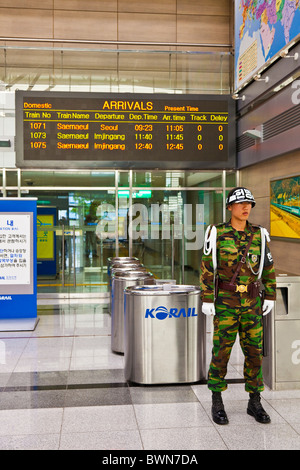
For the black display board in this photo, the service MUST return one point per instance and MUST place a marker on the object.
(99, 130)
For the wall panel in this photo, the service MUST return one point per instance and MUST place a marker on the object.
(26, 23)
(85, 5)
(146, 27)
(144, 6)
(257, 178)
(137, 20)
(203, 29)
(85, 25)
(203, 7)
(18, 4)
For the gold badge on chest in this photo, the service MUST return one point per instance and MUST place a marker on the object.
(254, 258)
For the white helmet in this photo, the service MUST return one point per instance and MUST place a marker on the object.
(240, 194)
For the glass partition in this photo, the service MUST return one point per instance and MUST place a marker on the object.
(158, 216)
(68, 178)
(111, 68)
(177, 179)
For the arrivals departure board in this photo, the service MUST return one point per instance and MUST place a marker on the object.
(98, 130)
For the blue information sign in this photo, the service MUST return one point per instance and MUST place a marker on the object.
(46, 242)
(18, 273)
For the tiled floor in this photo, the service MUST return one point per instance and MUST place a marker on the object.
(61, 387)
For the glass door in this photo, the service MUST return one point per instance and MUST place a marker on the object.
(167, 230)
(76, 234)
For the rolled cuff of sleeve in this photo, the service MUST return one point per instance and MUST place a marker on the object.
(270, 296)
(207, 297)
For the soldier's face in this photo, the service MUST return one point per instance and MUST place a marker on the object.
(240, 210)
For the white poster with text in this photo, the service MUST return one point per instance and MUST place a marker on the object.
(15, 249)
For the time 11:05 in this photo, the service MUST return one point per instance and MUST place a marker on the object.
(174, 128)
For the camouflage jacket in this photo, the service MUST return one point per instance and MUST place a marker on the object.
(231, 244)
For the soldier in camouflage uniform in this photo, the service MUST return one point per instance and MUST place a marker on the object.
(237, 307)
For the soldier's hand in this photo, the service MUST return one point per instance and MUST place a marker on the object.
(267, 306)
(208, 308)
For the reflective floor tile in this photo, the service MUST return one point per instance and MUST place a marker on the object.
(4, 378)
(98, 362)
(204, 438)
(97, 396)
(106, 440)
(160, 394)
(30, 421)
(44, 347)
(49, 363)
(15, 399)
(30, 442)
(91, 346)
(296, 427)
(102, 376)
(288, 409)
(171, 415)
(102, 418)
(260, 437)
(38, 379)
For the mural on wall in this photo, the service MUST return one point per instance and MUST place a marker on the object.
(263, 28)
(285, 207)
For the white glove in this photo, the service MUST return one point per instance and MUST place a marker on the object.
(267, 306)
(208, 308)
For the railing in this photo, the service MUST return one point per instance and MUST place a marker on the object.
(131, 66)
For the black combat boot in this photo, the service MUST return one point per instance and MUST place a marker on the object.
(255, 409)
(218, 412)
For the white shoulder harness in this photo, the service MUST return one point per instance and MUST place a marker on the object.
(210, 246)
(264, 235)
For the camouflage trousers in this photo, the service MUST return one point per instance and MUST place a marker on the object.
(228, 321)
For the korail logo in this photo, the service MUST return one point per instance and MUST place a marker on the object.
(5, 297)
(161, 313)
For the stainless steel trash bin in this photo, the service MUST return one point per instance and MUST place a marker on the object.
(281, 364)
(119, 266)
(165, 335)
(120, 280)
(120, 259)
(122, 269)
(126, 266)
(161, 282)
